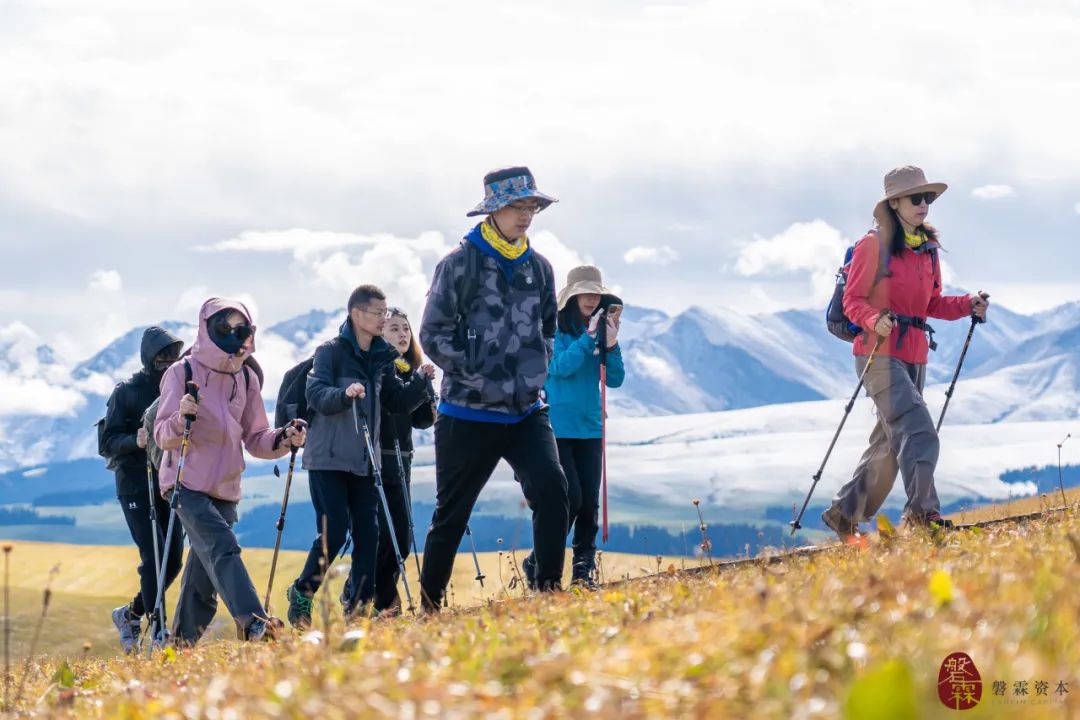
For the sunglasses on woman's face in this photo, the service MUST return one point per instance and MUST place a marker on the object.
(242, 331)
(917, 198)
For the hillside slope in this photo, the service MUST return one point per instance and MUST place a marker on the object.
(859, 632)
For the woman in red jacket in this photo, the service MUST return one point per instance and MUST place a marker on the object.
(894, 285)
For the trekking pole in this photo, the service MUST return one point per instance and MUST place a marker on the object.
(408, 505)
(795, 524)
(154, 623)
(475, 558)
(191, 389)
(1061, 478)
(359, 421)
(975, 320)
(601, 340)
(280, 525)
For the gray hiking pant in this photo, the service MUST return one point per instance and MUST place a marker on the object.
(214, 567)
(903, 440)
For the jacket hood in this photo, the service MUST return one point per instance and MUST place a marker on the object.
(154, 340)
(381, 351)
(204, 350)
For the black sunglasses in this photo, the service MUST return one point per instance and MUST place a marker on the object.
(917, 198)
(242, 331)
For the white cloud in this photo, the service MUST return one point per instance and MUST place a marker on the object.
(296, 240)
(35, 396)
(815, 248)
(562, 257)
(993, 192)
(308, 120)
(662, 255)
(105, 281)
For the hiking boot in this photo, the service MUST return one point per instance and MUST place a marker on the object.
(930, 521)
(299, 608)
(584, 573)
(549, 586)
(835, 521)
(528, 566)
(161, 640)
(259, 630)
(129, 627)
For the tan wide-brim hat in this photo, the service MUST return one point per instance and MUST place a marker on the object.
(581, 280)
(901, 181)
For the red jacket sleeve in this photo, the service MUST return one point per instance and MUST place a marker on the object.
(946, 307)
(860, 283)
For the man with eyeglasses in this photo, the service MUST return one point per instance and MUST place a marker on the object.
(356, 367)
(123, 442)
(490, 324)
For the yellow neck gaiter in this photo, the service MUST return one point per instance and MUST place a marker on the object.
(509, 250)
(914, 240)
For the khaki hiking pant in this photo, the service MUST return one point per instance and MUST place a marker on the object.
(903, 440)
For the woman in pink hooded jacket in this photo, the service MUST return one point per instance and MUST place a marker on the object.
(229, 417)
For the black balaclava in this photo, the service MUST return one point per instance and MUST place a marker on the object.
(229, 343)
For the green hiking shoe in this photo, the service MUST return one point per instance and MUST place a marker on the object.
(299, 607)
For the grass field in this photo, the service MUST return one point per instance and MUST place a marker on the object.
(1019, 506)
(856, 632)
(92, 580)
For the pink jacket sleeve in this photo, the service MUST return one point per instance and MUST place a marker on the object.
(169, 426)
(259, 437)
(864, 264)
(946, 307)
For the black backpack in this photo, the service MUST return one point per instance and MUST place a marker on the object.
(292, 395)
(110, 461)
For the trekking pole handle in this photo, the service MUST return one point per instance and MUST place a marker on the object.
(975, 319)
(191, 388)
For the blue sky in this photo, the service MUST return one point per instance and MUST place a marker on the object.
(703, 153)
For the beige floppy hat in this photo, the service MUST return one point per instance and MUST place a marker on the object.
(582, 279)
(901, 181)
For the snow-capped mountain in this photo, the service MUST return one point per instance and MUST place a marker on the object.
(701, 360)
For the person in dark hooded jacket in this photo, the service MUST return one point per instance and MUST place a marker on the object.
(352, 374)
(124, 440)
(397, 456)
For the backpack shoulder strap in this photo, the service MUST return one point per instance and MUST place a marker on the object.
(884, 255)
(187, 373)
(470, 282)
(538, 268)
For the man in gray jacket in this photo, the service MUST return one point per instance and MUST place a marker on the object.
(489, 324)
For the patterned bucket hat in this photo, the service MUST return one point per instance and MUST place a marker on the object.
(502, 187)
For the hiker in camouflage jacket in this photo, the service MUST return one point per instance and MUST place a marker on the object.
(489, 324)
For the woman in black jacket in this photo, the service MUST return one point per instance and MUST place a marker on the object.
(397, 454)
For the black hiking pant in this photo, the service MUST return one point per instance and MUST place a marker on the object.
(387, 572)
(349, 503)
(582, 462)
(136, 508)
(466, 453)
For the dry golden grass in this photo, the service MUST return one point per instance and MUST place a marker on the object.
(1018, 506)
(92, 580)
(854, 631)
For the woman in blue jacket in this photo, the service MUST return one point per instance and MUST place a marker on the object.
(573, 394)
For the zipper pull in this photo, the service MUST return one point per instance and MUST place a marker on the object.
(471, 334)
